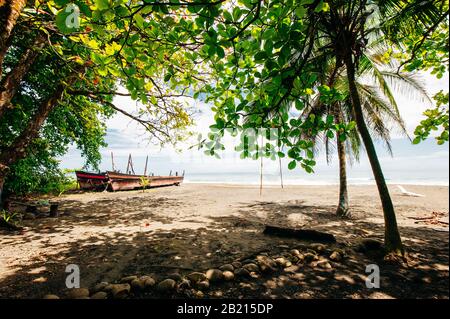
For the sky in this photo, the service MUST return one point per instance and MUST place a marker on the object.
(426, 163)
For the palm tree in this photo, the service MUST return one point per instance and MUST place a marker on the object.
(348, 27)
(375, 86)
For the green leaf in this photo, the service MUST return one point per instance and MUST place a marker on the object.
(102, 4)
(260, 56)
(220, 52)
(292, 164)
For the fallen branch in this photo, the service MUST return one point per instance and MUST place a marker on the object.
(302, 234)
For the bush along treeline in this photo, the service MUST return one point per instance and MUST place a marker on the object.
(297, 66)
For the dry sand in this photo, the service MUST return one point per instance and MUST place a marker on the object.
(198, 226)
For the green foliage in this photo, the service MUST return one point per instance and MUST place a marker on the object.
(145, 182)
(427, 49)
(38, 173)
(263, 80)
(436, 118)
(10, 217)
(146, 51)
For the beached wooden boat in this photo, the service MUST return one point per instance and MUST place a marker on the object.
(120, 181)
(93, 181)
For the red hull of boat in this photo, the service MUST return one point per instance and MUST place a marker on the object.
(91, 180)
(118, 181)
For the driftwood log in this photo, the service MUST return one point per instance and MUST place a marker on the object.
(302, 234)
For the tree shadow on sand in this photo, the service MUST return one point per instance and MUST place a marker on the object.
(159, 251)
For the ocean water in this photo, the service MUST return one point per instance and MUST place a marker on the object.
(423, 164)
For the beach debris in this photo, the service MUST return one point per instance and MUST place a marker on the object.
(434, 219)
(302, 234)
(77, 293)
(214, 275)
(406, 193)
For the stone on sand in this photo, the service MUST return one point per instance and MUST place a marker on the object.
(167, 285)
(266, 264)
(77, 293)
(137, 284)
(236, 264)
(99, 287)
(228, 275)
(214, 275)
(196, 276)
(251, 267)
(127, 279)
(227, 267)
(202, 285)
(148, 281)
(185, 284)
(242, 272)
(336, 256)
(119, 291)
(175, 276)
(100, 295)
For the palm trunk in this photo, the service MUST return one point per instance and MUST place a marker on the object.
(392, 239)
(342, 209)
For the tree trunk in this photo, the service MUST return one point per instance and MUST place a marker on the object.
(392, 239)
(342, 209)
(9, 13)
(17, 150)
(3, 172)
(11, 82)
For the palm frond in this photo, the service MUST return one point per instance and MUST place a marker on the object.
(408, 84)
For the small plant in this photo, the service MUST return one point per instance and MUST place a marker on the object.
(145, 182)
(9, 217)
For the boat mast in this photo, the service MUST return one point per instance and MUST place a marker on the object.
(145, 169)
(112, 162)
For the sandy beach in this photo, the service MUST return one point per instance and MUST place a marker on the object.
(201, 226)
